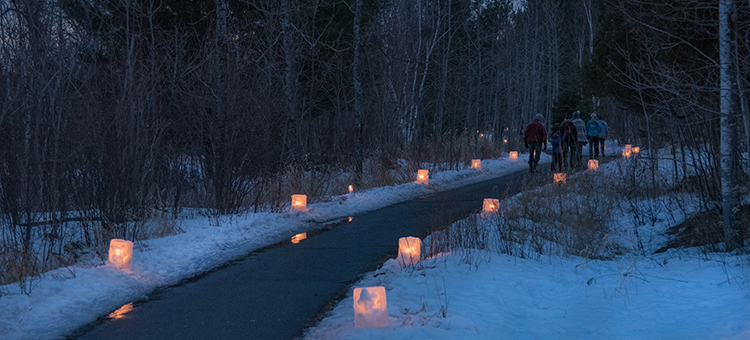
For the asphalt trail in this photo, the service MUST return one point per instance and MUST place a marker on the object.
(277, 292)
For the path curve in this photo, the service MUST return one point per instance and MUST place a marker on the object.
(277, 292)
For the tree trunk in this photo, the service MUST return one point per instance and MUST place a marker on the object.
(290, 81)
(356, 67)
(726, 55)
(219, 151)
(743, 106)
(652, 154)
(444, 79)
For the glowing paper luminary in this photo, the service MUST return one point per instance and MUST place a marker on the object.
(593, 164)
(490, 206)
(636, 149)
(505, 140)
(627, 151)
(299, 237)
(370, 307)
(351, 189)
(513, 155)
(560, 177)
(299, 203)
(409, 250)
(476, 164)
(422, 176)
(120, 253)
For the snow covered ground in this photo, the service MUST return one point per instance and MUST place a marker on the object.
(679, 294)
(67, 298)
(662, 297)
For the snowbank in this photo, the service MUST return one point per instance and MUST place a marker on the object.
(556, 298)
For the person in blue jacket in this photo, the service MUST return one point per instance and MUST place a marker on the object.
(592, 130)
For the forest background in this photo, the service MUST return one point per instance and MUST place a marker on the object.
(115, 112)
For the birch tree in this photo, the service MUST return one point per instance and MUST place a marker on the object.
(357, 82)
(727, 50)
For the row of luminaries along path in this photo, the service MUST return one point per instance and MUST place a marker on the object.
(370, 303)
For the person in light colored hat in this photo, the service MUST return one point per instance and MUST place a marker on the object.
(582, 140)
(534, 139)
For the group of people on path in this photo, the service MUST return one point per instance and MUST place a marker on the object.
(567, 141)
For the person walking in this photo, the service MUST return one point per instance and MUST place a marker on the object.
(593, 129)
(534, 138)
(557, 157)
(603, 134)
(581, 128)
(569, 144)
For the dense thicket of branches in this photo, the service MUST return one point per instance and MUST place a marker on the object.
(661, 61)
(112, 110)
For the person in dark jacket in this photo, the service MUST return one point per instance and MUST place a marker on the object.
(534, 138)
(569, 144)
(557, 157)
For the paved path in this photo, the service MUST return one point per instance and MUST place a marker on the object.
(277, 292)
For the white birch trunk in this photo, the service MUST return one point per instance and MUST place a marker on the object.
(413, 111)
(428, 54)
(290, 85)
(219, 162)
(726, 49)
(444, 78)
(589, 18)
(743, 106)
(358, 162)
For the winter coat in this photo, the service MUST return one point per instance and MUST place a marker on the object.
(604, 129)
(556, 144)
(535, 132)
(567, 125)
(581, 128)
(593, 128)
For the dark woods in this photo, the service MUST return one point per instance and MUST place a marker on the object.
(114, 112)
